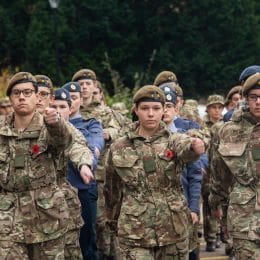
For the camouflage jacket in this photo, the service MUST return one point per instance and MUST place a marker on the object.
(239, 181)
(112, 123)
(110, 120)
(211, 128)
(32, 206)
(144, 197)
(79, 154)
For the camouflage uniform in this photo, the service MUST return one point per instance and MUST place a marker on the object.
(33, 210)
(238, 150)
(112, 122)
(144, 197)
(79, 154)
(210, 223)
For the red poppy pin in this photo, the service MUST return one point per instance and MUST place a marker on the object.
(35, 149)
(169, 154)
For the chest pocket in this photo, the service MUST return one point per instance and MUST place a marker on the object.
(235, 157)
(39, 163)
(168, 166)
(127, 168)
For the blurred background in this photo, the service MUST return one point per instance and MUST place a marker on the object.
(207, 43)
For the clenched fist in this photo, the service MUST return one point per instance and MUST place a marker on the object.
(51, 117)
(198, 146)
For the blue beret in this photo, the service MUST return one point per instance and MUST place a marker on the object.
(247, 72)
(72, 87)
(170, 94)
(62, 94)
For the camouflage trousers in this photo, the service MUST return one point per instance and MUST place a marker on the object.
(106, 240)
(177, 251)
(246, 249)
(193, 236)
(72, 247)
(210, 223)
(49, 250)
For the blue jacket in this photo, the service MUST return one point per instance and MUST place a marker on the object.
(192, 175)
(183, 125)
(93, 132)
(228, 115)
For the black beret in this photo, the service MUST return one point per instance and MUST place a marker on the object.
(62, 94)
(72, 87)
(247, 72)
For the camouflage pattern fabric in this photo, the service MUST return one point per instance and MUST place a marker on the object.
(113, 123)
(175, 251)
(238, 148)
(53, 249)
(79, 154)
(245, 249)
(217, 166)
(72, 247)
(32, 207)
(210, 223)
(144, 199)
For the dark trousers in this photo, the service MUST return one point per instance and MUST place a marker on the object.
(87, 239)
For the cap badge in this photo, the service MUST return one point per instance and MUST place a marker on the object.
(63, 95)
(169, 97)
(73, 87)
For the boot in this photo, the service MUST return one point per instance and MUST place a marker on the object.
(210, 246)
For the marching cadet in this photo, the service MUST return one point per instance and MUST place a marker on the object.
(33, 210)
(88, 193)
(78, 153)
(238, 153)
(112, 124)
(144, 199)
(214, 108)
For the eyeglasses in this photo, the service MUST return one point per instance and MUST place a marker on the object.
(26, 92)
(43, 94)
(253, 97)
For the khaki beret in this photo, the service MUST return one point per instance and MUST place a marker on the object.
(178, 90)
(234, 90)
(43, 81)
(215, 99)
(165, 76)
(84, 74)
(252, 82)
(149, 92)
(20, 77)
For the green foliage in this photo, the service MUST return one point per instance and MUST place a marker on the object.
(207, 43)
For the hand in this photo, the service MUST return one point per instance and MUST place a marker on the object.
(51, 117)
(198, 146)
(86, 174)
(194, 217)
(106, 135)
(217, 213)
(97, 152)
